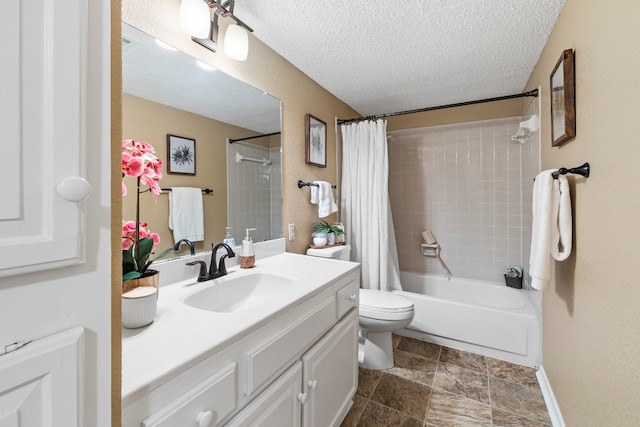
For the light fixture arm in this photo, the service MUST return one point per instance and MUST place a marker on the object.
(225, 10)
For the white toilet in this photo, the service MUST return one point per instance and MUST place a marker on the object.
(380, 313)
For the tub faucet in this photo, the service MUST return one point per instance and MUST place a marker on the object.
(222, 268)
(189, 243)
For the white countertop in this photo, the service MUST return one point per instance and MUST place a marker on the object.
(182, 336)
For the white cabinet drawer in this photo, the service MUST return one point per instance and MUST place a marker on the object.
(270, 358)
(347, 298)
(216, 394)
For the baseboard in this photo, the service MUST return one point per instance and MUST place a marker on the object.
(549, 399)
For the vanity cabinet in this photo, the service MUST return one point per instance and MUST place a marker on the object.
(299, 368)
(330, 375)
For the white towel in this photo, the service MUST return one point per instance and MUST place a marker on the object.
(551, 233)
(322, 195)
(186, 214)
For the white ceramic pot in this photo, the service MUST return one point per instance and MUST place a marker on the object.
(331, 238)
(319, 239)
(139, 307)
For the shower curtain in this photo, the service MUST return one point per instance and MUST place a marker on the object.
(366, 210)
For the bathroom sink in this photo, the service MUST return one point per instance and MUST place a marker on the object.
(230, 294)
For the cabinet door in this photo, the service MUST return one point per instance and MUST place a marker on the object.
(277, 406)
(330, 374)
(42, 117)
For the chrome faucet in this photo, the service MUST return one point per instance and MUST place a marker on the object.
(189, 243)
(222, 268)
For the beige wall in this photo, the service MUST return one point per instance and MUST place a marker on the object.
(591, 312)
(151, 122)
(267, 71)
(469, 113)
(116, 216)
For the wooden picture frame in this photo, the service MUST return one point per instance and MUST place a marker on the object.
(563, 101)
(315, 141)
(181, 155)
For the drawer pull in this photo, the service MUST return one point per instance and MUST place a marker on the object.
(302, 397)
(204, 418)
(313, 384)
(353, 298)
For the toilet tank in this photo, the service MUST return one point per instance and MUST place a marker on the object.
(341, 252)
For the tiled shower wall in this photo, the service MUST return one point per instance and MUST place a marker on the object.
(471, 185)
(254, 196)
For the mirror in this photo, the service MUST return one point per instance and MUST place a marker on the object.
(169, 93)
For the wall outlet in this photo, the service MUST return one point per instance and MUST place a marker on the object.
(292, 232)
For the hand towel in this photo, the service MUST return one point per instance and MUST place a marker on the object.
(324, 199)
(551, 226)
(186, 214)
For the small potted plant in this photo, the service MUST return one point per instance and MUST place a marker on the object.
(326, 231)
(321, 234)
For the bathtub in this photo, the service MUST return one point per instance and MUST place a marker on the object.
(481, 317)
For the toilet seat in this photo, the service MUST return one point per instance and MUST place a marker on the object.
(383, 305)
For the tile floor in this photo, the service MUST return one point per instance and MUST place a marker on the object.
(432, 386)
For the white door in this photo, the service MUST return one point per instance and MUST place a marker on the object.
(330, 374)
(55, 123)
(277, 406)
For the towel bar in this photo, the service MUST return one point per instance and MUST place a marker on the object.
(301, 184)
(204, 190)
(583, 170)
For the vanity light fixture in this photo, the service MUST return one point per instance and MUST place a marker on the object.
(200, 19)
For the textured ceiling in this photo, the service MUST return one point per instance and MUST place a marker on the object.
(174, 78)
(382, 57)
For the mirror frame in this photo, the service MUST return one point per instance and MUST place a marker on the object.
(563, 102)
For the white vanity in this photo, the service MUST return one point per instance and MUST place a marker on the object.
(287, 357)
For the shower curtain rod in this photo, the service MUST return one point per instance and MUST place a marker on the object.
(231, 140)
(533, 93)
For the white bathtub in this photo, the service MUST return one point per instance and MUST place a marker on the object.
(481, 317)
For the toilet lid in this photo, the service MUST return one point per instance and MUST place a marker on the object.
(373, 300)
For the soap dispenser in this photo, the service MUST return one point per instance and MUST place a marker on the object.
(247, 254)
(228, 238)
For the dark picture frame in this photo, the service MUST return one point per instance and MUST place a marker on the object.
(563, 102)
(181, 155)
(315, 141)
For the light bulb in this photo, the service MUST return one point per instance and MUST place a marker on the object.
(236, 42)
(195, 18)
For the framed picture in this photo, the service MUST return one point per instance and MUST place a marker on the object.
(181, 155)
(563, 101)
(315, 141)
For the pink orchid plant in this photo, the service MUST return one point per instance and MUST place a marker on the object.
(138, 243)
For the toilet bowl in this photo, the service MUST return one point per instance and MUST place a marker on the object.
(380, 313)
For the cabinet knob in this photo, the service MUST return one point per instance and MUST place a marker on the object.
(353, 298)
(73, 189)
(313, 384)
(204, 418)
(302, 397)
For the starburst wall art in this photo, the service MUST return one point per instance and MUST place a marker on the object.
(181, 153)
